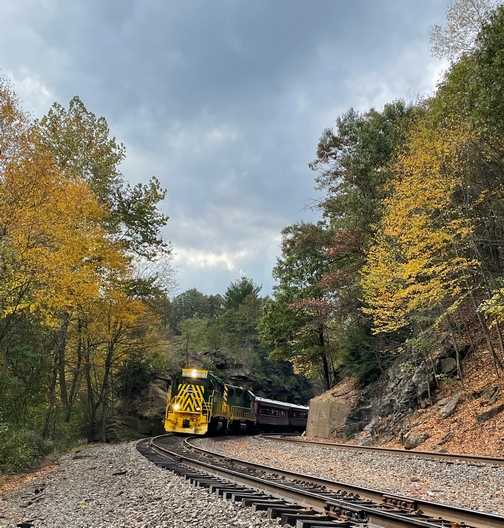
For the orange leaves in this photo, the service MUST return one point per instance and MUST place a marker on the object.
(53, 247)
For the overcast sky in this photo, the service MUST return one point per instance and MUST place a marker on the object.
(222, 100)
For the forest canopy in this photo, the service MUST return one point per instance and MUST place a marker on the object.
(407, 255)
(409, 251)
(75, 309)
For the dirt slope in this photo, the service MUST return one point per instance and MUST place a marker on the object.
(466, 434)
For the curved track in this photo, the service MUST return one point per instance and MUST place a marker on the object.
(432, 455)
(302, 501)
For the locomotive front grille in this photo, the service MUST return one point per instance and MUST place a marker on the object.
(190, 398)
(188, 412)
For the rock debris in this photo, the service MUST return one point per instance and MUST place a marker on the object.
(114, 486)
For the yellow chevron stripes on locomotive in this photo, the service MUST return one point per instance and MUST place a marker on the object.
(225, 396)
(190, 397)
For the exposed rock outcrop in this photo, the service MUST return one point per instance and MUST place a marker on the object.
(383, 410)
(141, 417)
(483, 417)
(411, 441)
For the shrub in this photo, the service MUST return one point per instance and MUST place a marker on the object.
(21, 449)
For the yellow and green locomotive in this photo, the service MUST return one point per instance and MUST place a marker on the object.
(200, 403)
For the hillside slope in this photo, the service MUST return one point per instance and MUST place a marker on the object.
(465, 431)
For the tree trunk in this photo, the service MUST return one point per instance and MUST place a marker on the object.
(61, 340)
(105, 392)
(497, 362)
(51, 401)
(499, 337)
(325, 365)
(457, 350)
(91, 408)
(76, 374)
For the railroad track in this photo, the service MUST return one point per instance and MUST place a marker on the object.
(431, 455)
(302, 501)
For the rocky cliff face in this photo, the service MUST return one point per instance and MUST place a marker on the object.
(385, 407)
(140, 418)
(382, 411)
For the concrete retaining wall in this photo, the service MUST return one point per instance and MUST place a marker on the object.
(326, 419)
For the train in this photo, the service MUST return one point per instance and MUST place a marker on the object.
(200, 403)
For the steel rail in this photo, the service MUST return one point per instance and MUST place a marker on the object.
(351, 502)
(435, 455)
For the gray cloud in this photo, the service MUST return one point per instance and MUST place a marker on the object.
(223, 101)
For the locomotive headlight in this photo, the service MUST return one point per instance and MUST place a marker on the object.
(194, 373)
(198, 409)
(176, 407)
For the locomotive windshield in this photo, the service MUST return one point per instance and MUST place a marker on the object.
(191, 376)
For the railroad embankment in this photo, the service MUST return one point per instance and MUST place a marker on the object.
(421, 405)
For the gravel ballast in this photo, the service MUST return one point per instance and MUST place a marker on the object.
(471, 486)
(115, 486)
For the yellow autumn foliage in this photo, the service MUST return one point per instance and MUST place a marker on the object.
(52, 246)
(418, 263)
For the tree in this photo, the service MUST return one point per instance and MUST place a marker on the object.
(419, 262)
(294, 325)
(238, 291)
(465, 20)
(471, 92)
(191, 340)
(82, 148)
(73, 308)
(237, 329)
(189, 304)
(319, 280)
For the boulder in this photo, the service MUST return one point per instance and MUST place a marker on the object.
(483, 417)
(446, 438)
(495, 396)
(447, 366)
(491, 394)
(151, 403)
(238, 373)
(449, 408)
(141, 417)
(365, 440)
(125, 428)
(412, 441)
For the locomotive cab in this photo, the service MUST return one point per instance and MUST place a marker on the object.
(189, 409)
(200, 403)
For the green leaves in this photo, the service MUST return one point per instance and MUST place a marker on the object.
(70, 298)
(238, 291)
(82, 148)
